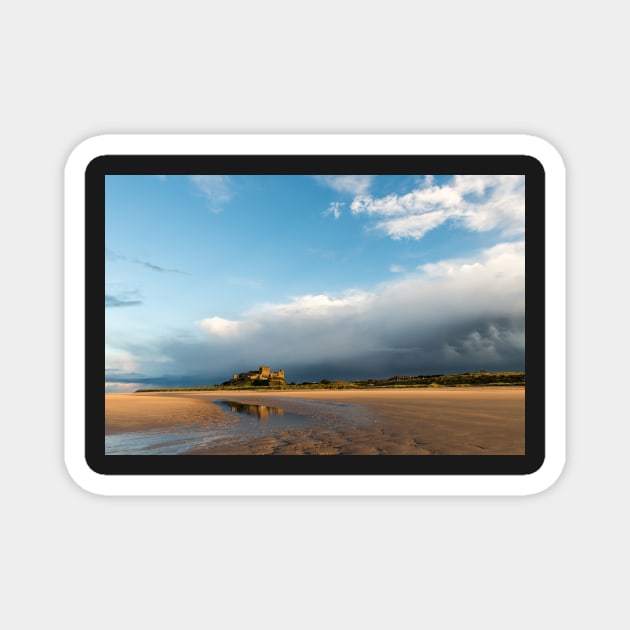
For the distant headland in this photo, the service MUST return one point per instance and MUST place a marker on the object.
(265, 378)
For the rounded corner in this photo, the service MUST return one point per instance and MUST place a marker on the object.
(545, 153)
(84, 476)
(84, 154)
(546, 475)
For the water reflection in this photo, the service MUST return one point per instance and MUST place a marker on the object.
(251, 422)
(262, 412)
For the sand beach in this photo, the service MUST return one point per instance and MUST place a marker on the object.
(415, 421)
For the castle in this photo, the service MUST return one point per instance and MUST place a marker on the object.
(263, 374)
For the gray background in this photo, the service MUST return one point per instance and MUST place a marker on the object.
(72, 70)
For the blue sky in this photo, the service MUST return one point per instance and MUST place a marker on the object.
(324, 276)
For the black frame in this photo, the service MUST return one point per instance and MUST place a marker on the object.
(528, 166)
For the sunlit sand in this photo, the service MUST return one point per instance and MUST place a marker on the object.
(447, 421)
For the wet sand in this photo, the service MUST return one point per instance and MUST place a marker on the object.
(447, 421)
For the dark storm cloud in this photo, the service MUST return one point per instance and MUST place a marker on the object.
(470, 346)
(454, 316)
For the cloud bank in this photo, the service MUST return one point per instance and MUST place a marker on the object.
(454, 315)
(449, 315)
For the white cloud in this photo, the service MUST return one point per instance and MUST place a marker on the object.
(412, 226)
(215, 188)
(416, 202)
(396, 268)
(349, 184)
(505, 260)
(316, 306)
(476, 202)
(334, 208)
(218, 327)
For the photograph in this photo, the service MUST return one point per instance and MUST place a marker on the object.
(314, 314)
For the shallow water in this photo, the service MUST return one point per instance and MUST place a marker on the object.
(175, 441)
(246, 421)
